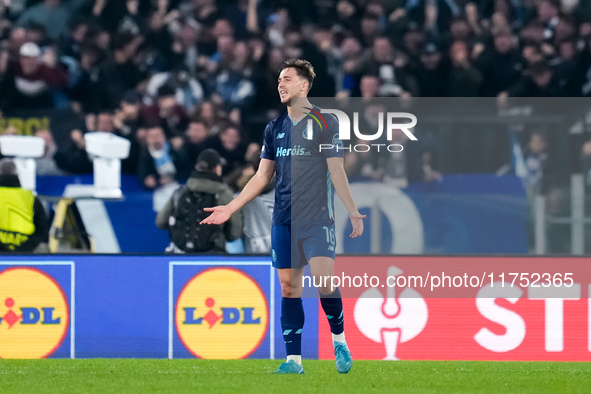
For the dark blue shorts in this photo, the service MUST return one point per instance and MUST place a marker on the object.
(293, 245)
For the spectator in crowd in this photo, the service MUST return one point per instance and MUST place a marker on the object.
(367, 164)
(167, 113)
(413, 42)
(460, 30)
(411, 164)
(211, 115)
(233, 81)
(162, 162)
(265, 102)
(72, 156)
(85, 92)
(381, 62)
(53, 15)
(434, 15)
(348, 77)
(195, 136)
(433, 71)
(72, 42)
(361, 166)
(541, 81)
(120, 73)
(240, 176)
(500, 65)
(46, 164)
(184, 211)
(186, 48)
(536, 161)
(29, 231)
(128, 117)
(218, 61)
(132, 21)
(569, 70)
(32, 80)
(369, 86)
(188, 90)
(230, 145)
(464, 79)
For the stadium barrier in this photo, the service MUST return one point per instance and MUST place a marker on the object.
(228, 307)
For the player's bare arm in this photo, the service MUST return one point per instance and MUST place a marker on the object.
(341, 185)
(253, 188)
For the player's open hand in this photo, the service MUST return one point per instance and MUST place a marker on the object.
(357, 223)
(220, 215)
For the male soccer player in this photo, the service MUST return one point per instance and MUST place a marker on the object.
(303, 220)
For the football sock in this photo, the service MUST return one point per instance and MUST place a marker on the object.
(333, 307)
(339, 337)
(292, 323)
(297, 359)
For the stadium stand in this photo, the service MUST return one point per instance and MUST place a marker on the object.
(187, 75)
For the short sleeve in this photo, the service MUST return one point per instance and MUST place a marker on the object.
(332, 138)
(268, 149)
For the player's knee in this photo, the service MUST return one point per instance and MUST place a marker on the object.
(286, 292)
(289, 290)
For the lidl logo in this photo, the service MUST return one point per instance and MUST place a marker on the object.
(221, 313)
(34, 314)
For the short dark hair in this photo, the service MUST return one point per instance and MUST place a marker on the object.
(166, 91)
(303, 68)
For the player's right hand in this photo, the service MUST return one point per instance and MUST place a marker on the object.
(220, 215)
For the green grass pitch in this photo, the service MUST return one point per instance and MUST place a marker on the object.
(254, 376)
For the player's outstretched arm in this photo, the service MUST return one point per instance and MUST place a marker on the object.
(341, 185)
(253, 188)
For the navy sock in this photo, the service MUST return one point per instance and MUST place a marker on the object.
(333, 307)
(292, 324)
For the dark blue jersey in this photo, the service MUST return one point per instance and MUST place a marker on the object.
(304, 191)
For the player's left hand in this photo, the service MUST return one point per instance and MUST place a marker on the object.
(357, 223)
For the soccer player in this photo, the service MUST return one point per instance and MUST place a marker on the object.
(303, 219)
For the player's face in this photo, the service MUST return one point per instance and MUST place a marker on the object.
(291, 85)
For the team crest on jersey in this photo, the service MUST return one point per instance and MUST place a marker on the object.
(336, 141)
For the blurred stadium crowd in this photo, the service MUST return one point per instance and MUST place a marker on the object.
(178, 76)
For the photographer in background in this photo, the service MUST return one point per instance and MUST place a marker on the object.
(184, 211)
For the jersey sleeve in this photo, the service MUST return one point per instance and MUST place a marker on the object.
(268, 149)
(332, 138)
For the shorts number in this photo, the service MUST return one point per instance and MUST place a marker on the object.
(330, 235)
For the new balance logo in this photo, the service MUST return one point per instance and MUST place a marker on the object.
(280, 135)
